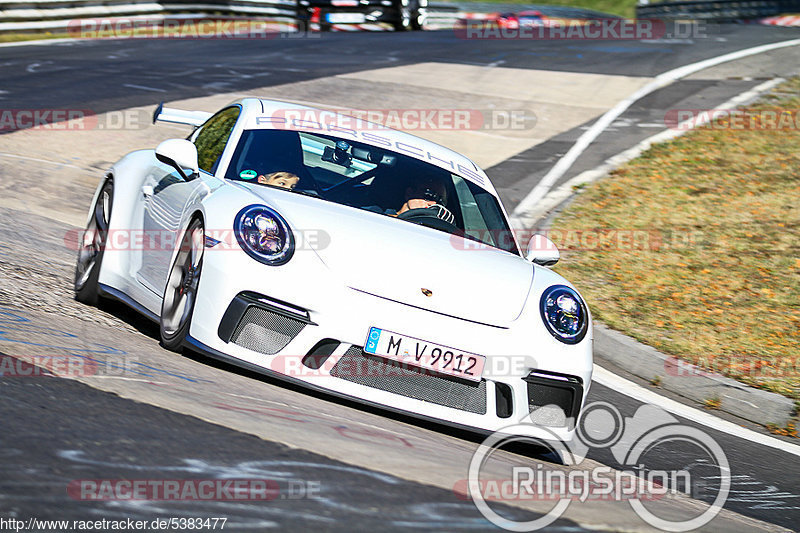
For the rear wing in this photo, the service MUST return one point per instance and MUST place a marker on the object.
(179, 116)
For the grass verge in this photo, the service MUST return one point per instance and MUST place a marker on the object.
(623, 8)
(17, 37)
(694, 247)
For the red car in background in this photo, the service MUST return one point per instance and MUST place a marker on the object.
(515, 21)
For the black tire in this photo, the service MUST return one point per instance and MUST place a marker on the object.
(405, 16)
(417, 18)
(90, 253)
(303, 19)
(416, 23)
(324, 25)
(180, 292)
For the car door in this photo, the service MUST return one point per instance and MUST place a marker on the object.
(167, 195)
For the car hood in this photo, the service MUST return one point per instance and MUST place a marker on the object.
(407, 263)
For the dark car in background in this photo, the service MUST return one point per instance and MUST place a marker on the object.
(403, 15)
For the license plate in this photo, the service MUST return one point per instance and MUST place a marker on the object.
(345, 18)
(424, 354)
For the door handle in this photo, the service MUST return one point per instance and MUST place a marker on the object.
(147, 191)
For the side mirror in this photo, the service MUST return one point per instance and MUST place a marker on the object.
(542, 251)
(179, 154)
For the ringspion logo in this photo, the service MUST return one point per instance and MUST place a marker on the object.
(629, 441)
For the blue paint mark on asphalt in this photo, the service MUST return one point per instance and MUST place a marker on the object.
(10, 322)
(13, 326)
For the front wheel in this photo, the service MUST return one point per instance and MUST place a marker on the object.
(418, 19)
(180, 294)
(92, 247)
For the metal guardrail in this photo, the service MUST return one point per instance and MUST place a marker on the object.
(57, 15)
(717, 10)
(36, 14)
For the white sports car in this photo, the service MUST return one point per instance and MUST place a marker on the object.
(346, 256)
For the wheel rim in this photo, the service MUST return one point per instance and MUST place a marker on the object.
(93, 239)
(181, 290)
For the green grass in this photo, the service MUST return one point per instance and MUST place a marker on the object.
(713, 276)
(17, 37)
(623, 8)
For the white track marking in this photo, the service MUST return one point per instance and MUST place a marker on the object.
(637, 392)
(13, 156)
(142, 87)
(662, 80)
(566, 189)
(38, 42)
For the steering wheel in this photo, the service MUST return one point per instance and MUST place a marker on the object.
(426, 216)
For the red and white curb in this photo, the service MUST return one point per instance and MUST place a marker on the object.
(782, 20)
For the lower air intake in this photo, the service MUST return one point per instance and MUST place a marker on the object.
(392, 376)
(553, 399)
(264, 331)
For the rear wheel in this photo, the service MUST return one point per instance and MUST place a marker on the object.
(408, 16)
(180, 294)
(92, 247)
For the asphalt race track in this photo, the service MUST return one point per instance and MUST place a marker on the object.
(151, 414)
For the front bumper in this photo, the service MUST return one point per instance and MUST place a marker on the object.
(311, 328)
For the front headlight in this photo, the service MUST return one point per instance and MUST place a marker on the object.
(264, 235)
(564, 314)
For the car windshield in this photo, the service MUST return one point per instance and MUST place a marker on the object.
(371, 178)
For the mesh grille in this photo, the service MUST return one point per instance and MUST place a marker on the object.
(549, 405)
(398, 378)
(264, 331)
